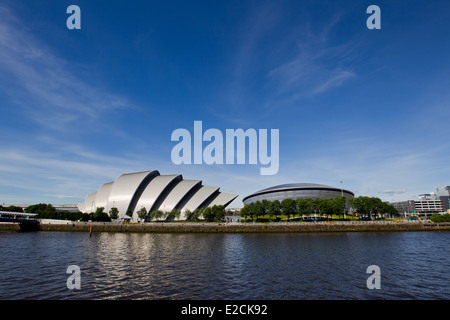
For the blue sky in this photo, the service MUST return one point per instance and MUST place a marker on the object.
(366, 107)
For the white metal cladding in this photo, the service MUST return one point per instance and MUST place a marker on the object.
(124, 188)
(153, 190)
(102, 197)
(89, 204)
(177, 194)
(81, 206)
(199, 197)
(223, 199)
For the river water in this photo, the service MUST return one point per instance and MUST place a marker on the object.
(306, 266)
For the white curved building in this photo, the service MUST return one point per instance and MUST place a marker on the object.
(152, 191)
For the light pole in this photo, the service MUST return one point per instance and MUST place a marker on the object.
(342, 194)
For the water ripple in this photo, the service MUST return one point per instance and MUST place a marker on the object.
(231, 266)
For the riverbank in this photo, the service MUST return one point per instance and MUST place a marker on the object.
(190, 227)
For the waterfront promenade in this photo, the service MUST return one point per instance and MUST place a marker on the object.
(196, 227)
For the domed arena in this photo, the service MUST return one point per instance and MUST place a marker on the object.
(297, 190)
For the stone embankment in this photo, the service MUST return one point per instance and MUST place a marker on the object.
(189, 227)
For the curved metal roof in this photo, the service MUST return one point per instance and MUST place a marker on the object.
(150, 190)
(296, 186)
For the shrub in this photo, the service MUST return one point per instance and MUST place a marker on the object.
(440, 217)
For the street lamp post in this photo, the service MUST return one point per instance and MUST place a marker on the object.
(342, 194)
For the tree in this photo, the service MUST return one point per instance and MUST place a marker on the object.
(196, 214)
(172, 215)
(114, 213)
(317, 206)
(43, 211)
(440, 217)
(12, 209)
(99, 215)
(274, 208)
(327, 207)
(218, 211)
(258, 209)
(389, 210)
(208, 215)
(360, 205)
(142, 213)
(156, 215)
(339, 205)
(98, 212)
(303, 206)
(288, 207)
(367, 206)
(265, 206)
(244, 211)
(188, 214)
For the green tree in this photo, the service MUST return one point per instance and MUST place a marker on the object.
(327, 207)
(173, 214)
(339, 205)
(218, 211)
(244, 211)
(367, 206)
(142, 213)
(208, 215)
(197, 214)
(13, 209)
(440, 217)
(288, 207)
(274, 209)
(317, 206)
(100, 215)
(114, 213)
(265, 206)
(43, 211)
(188, 214)
(156, 214)
(360, 205)
(303, 206)
(251, 210)
(258, 209)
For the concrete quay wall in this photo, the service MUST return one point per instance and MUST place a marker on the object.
(175, 227)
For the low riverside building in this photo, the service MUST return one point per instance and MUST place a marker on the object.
(419, 207)
(426, 204)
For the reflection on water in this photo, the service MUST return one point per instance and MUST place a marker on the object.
(413, 265)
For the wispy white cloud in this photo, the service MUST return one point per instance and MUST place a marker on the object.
(372, 166)
(316, 65)
(44, 86)
(68, 173)
(393, 191)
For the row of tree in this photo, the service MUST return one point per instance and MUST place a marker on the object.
(363, 206)
(11, 209)
(372, 207)
(369, 207)
(216, 212)
(47, 211)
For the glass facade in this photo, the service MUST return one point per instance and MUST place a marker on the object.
(292, 192)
